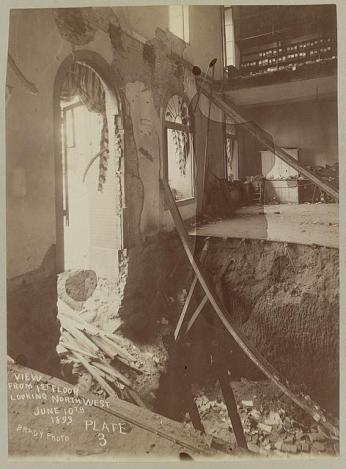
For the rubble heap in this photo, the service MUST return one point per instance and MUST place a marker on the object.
(98, 357)
(270, 426)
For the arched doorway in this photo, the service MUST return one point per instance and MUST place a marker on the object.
(89, 163)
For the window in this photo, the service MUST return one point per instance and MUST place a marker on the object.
(179, 21)
(179, 148)
(229, 37)
(231, 151)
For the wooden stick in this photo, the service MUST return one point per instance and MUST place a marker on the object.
(104, 373)
(81, 324)
(112, 371)
(91, 369)
(79, 336)
(136, 398)
(190, 294)
(196, 313)
(105, 347)
(119, 350)
(231, 405)
(238, 336)
(78, 350)
(130, 365)
(75, 342)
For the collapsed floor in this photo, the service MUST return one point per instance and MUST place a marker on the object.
(284, 298)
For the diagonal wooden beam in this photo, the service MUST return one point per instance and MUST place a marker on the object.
(261, 362)
(205, 299)
(196, 313)
(190, 294)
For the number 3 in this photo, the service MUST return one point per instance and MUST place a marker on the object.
(102, 439)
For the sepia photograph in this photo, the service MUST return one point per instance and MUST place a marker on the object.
(172, 232)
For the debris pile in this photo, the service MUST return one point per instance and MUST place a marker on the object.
(275, 431)
(328, 172)
(101, 360)
(268, 432)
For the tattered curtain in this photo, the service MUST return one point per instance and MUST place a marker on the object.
(82, 81)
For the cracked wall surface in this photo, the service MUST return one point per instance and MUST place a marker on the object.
(146, 63)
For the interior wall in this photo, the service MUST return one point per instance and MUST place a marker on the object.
(310, 126)
(144, 72)
(204, 26)
(30, 132)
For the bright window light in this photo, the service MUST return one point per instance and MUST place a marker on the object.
(179, 21)
(229, 37)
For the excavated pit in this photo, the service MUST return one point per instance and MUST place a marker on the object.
(285, 298)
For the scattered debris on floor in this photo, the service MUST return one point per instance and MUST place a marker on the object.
(329, 172)
(270, 425)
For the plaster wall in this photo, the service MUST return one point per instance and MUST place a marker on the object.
(38, 46)
(145, 65)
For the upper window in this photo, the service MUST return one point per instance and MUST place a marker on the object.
(179, 21)
(179, 148)
(229, 37)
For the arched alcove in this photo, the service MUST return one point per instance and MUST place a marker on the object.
(89, 152)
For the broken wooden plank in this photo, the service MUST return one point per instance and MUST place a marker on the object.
(73, 342)
(74, 347)
(190, 294)
(197, 312)
(110, 352)
(238, 336)
(111, 349)
(103, 373)
(229, 398)
(79, 336)
(135, 397)
(130, 365)
(119, 350)
(112, 371)
(205, 299)
(231, 111)
(96, 375)
(80, 323)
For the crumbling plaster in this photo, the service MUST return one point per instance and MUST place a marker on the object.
(147, 67)
(144, 87)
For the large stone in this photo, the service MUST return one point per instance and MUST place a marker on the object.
(80, 285)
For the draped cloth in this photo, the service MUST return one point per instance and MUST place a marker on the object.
(81, 80)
